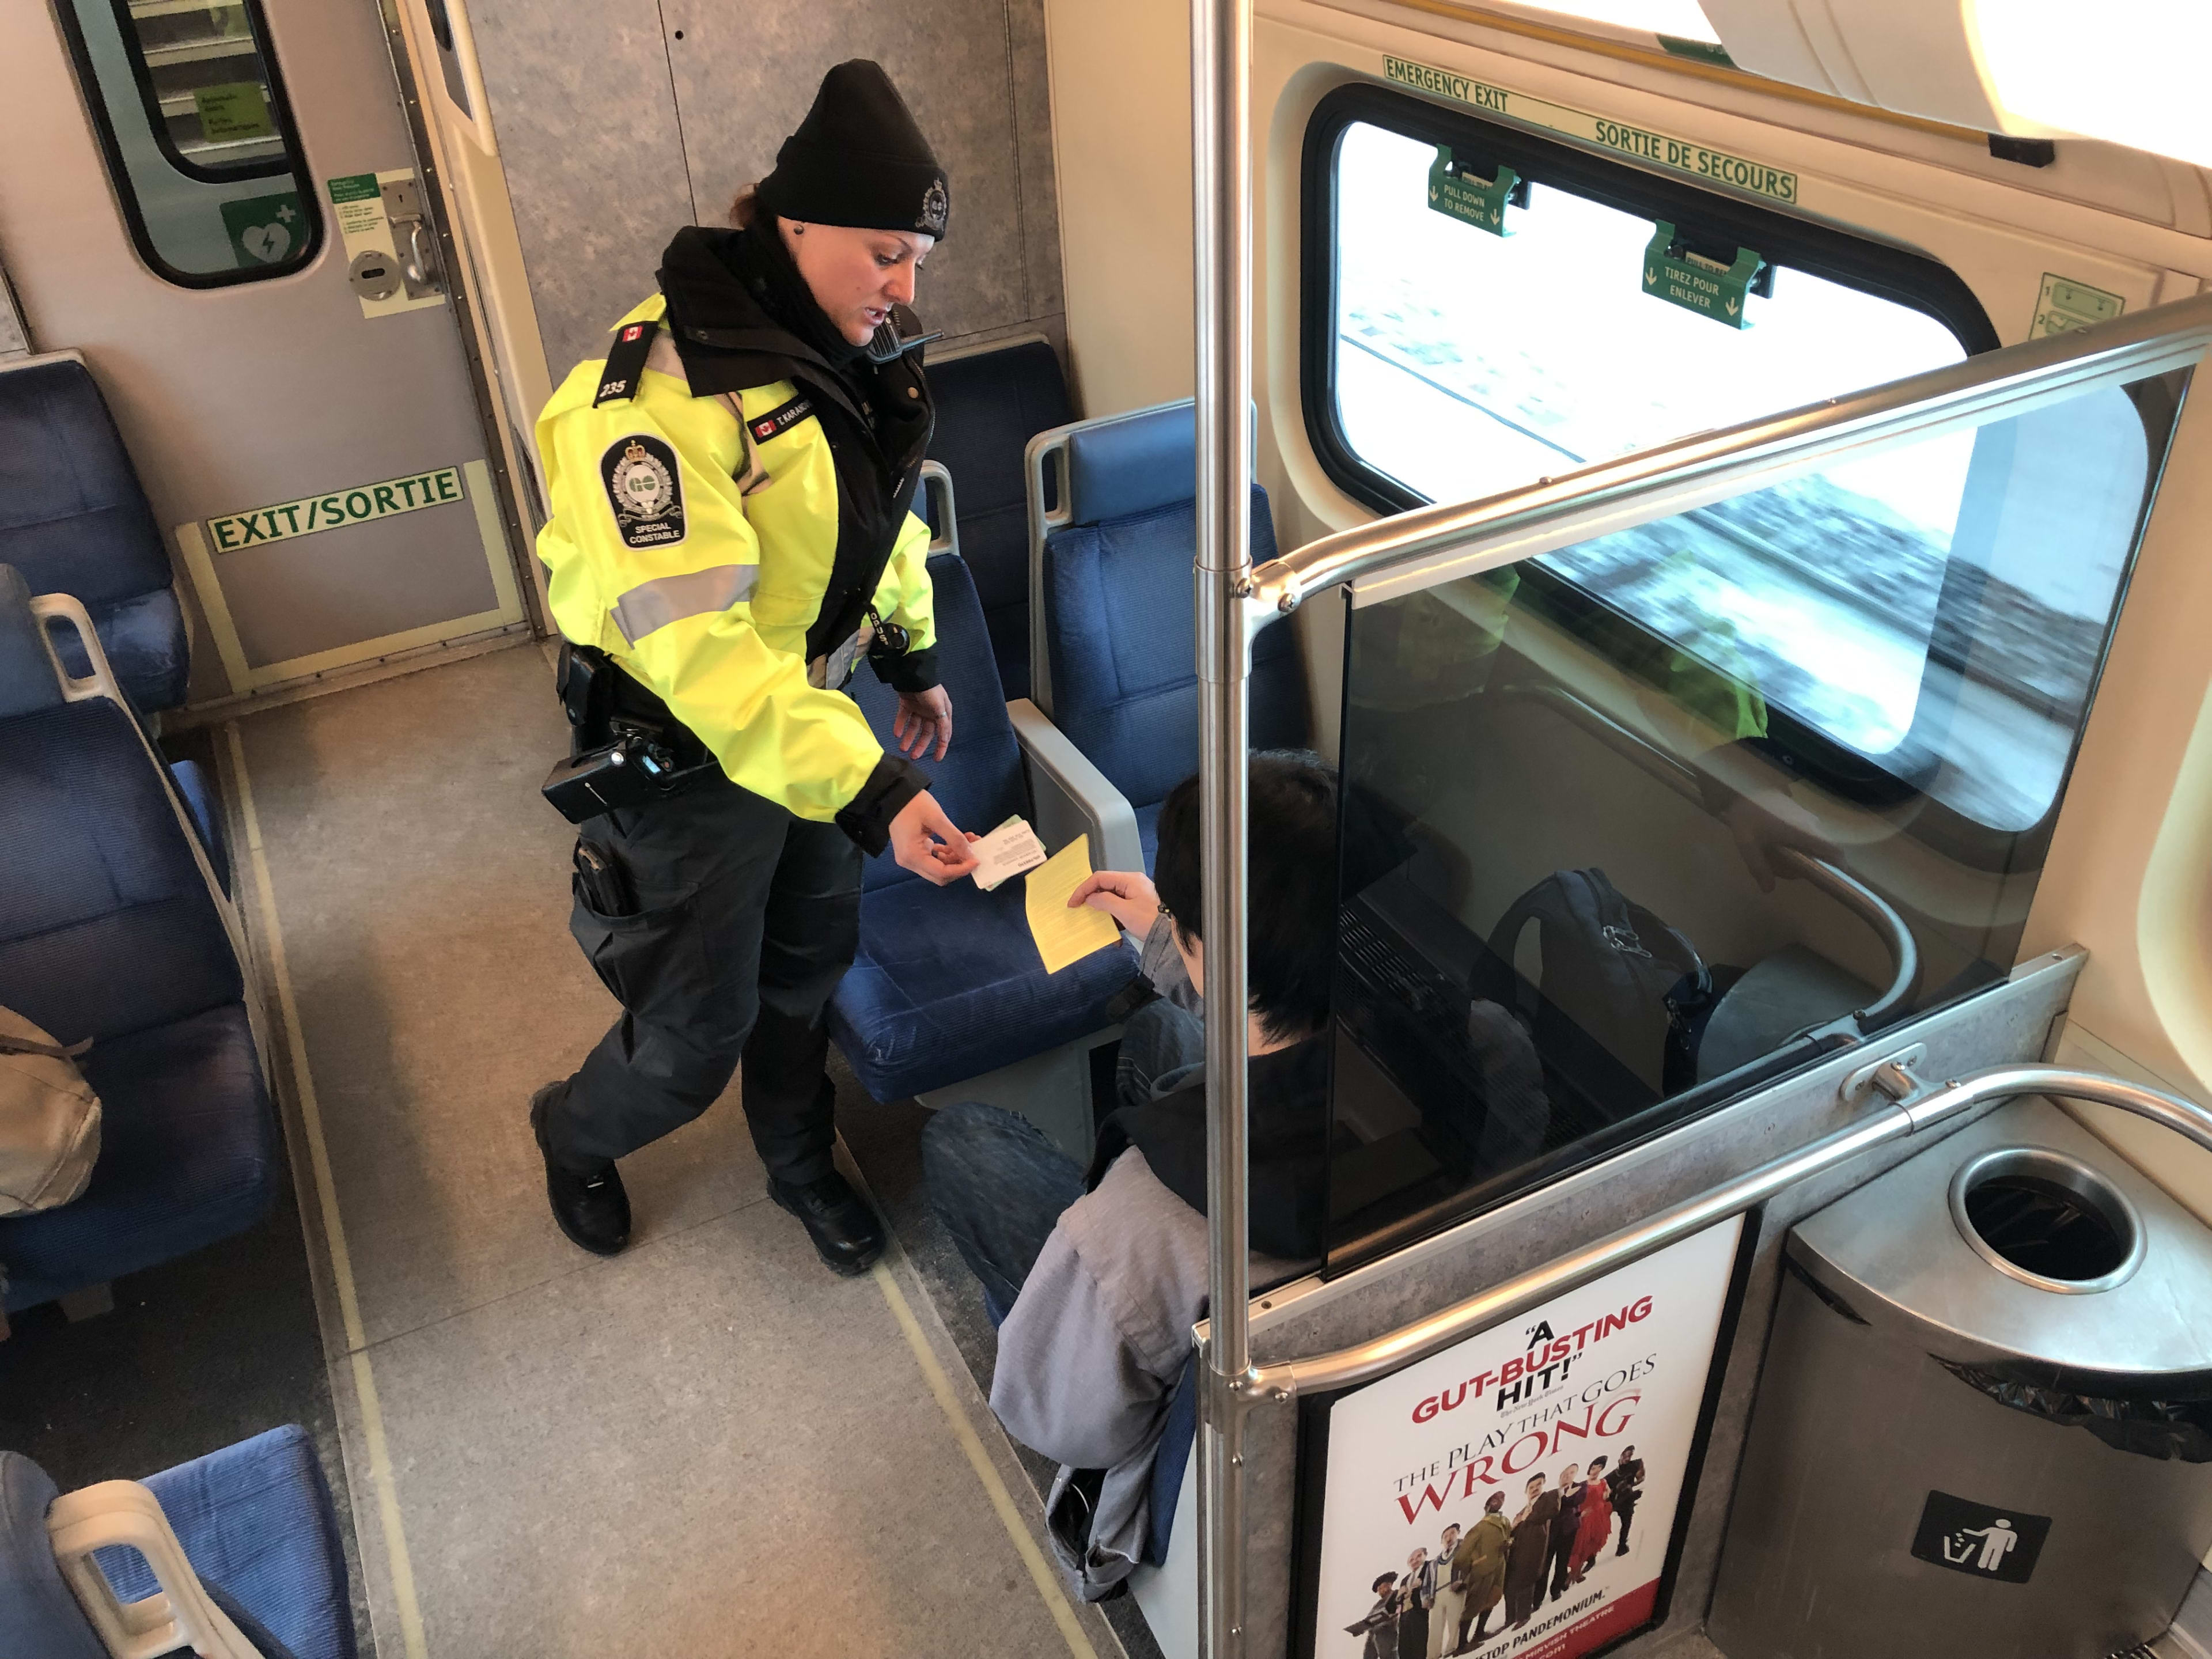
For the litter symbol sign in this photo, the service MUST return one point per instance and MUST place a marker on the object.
(1978, 1541)
(263, 229)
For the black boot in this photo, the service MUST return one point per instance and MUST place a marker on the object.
(589, 1203)
(845, 1231)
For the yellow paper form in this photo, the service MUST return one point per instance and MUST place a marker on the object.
(1063, 935)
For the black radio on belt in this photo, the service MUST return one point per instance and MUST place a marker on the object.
(634, 770)
(617, 759)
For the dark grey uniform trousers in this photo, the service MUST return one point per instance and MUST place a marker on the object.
(747, 917)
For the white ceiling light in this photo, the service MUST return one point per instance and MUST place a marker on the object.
(1681, 19)
(2133, 75)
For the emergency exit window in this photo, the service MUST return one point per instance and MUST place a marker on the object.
(1496, 310)
(193, 119)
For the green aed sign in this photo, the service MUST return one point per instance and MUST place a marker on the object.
(1706, 286)
(263, 229)
(1481, 202)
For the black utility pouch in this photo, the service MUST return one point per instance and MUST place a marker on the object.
(600, 883)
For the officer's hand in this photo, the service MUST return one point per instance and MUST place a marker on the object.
(923, 718)
(1127, 897)
(926, 842)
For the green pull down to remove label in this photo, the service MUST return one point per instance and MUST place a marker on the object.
(1695, 283)
(1474, 201)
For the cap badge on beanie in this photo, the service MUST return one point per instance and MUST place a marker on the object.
(859, 159)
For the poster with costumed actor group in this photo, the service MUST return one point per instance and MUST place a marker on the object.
(1514, 1496)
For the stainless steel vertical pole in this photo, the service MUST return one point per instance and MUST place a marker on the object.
(1221, 129)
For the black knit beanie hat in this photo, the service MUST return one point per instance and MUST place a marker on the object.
(859, 159)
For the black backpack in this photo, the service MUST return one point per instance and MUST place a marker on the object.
(1622, 998)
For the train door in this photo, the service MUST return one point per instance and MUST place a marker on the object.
(229, 222)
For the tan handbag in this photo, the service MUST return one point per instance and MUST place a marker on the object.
(49, 1119)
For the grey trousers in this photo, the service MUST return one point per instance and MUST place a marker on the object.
(746, 918)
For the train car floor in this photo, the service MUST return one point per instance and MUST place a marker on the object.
(706, 1446)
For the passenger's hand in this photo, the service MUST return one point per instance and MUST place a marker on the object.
(926, 842)
(923, 718)
(1126, 895)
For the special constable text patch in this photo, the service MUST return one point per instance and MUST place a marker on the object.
(646, 490)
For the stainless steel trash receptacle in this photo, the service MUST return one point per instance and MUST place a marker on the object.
(1983, 1430)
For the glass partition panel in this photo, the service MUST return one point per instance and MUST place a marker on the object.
(1651, 820)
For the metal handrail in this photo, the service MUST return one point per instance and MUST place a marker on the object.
(1910, 1110)
(1870, 907)
(1690, 472)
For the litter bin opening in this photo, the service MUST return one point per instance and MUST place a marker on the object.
(2047, 1219)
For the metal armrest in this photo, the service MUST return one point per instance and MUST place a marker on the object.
(1073, 796)
(180, 1614)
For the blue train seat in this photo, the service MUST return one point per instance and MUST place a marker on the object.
(253, 1522)
(1115, 661)
(989, 405)
(947, 985)
(74, 519)
(113, 928)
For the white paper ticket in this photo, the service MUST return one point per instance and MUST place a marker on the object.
(1007, 851)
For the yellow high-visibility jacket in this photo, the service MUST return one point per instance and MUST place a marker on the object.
(707, 544)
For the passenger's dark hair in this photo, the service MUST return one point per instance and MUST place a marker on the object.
(1291, 893)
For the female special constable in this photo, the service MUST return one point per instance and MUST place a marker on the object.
(731, 529)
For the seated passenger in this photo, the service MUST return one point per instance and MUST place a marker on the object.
(1095, 1277)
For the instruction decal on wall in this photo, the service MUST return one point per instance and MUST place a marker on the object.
(376, 249)
(1517, 1492)
(2064, 305)
(1661, 150)
(311, 513)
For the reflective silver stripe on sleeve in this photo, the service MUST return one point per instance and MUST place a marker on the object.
(665, 600)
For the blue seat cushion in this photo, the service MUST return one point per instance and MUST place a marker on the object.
(257, 1519)
(188, 1154)
(38, 1610)
(73, 517)
(1148, 834)
(979, 783)
(989, 405)
(143, 637)
(948, 986)
(106, 925)
(1119, 628)
(193, 783)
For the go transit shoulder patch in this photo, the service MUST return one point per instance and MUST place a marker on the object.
(645, 489)
(777, 421)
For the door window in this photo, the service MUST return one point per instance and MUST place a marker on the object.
(192, 118)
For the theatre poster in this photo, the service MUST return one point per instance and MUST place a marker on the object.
(1491, 1445)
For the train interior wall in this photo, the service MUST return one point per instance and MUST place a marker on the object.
(616, 126)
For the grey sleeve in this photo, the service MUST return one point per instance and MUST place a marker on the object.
(1161, 964)
(1068, 1383)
